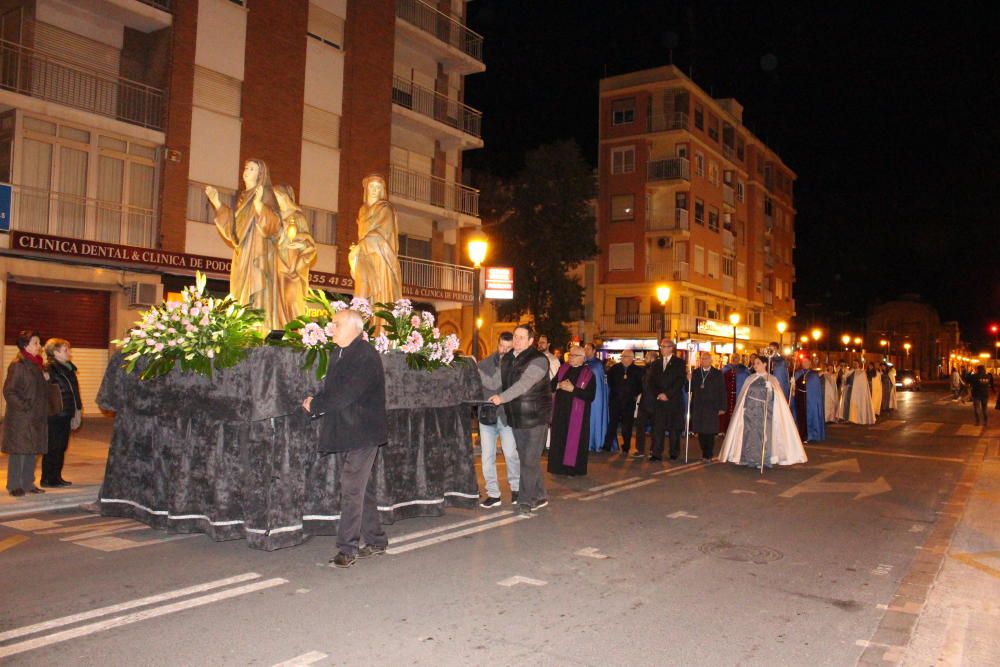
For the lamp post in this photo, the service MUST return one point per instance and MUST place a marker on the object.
(734, 319)
(907, 346)
(816, 334)
(477, 247)
(782, 327)
(995, 330)
(663, 295)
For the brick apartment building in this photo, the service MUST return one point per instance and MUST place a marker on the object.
(114, 115)
(689, 198)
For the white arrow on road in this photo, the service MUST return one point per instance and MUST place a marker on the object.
(591, 552)
(518, 579)
(818, 484)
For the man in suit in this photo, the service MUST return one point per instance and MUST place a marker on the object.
(624, 386)
(667, 378)
(647, 406)
(352, 406)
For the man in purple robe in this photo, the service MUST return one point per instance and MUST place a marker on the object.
(575, 386)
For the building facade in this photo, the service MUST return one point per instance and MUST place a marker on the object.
(115, 115)
(688, 198)
(909, 321)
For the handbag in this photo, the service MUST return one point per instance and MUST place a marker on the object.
(488, 414)
(55, 399)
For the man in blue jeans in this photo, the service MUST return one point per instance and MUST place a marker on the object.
(489, 371)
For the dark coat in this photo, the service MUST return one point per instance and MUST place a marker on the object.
(26, 424)
(671, 381)
(625, 390)
(352, 400)
(533, 407)
(64, 377)
(708, 402)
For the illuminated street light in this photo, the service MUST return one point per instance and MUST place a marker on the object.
(846, 339)
(857, 340)
(734, 319)
(477, 248)
(663, 295)
(782, 325)
(817, 334)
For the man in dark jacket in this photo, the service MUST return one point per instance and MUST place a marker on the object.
(667, 378)
(647, 407)
(352, 406)
(527, 401)
(624, 385)
(980, 385)
(708, 402)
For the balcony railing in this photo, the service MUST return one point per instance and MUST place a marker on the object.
(663, 122)
(728, 152)
(73, 216)
(648, 323)
(728, 284)
(728, 241)
(29, 72)
(666, 271)
(159, 4)
(446, 28)
(676, 222)
(728, 195)
(670, 169)
(433, 190)
(435, 275)
(439, 107)
(768, 297)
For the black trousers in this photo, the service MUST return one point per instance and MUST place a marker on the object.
(707, 441)
(52, 462)
(642, 420)
(620, 414)
(668, 416)
(359, 517)
(978, 407)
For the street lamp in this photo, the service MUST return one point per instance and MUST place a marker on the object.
(734, 319)
(817, 333)
(782, 326)
(995, 330)
(477, 247)
(663, 295)
(907, 346)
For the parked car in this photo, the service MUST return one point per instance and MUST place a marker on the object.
(907, 381)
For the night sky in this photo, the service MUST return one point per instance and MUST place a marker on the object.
(889, 115)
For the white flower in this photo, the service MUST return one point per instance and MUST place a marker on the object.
(414, 342)
(361, 304)
(382, 343)
(402, 307)
(428, 318)
(210, 354)
(329, 329)
(337, 306)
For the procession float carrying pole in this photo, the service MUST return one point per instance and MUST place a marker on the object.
(687, 417)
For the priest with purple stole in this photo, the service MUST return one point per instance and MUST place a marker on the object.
(809, 403)
(575, 386)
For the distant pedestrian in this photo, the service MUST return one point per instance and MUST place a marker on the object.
(708, 403)
(980, 385)
(62, 373)
(575, 387)
(493, 424)
(26, 422)
(624, 387)
(888, 388)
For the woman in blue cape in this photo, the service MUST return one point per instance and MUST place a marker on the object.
(809, 403)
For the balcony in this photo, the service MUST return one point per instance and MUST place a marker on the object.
(768, 260)
(462, 48)
(728, 241)
(72, 216)
(425, 274)
(670, 169)
(729, 196)
(729, 152)
(464, 124)
(671, 223)
(634, 323)
(666, 271)
(768, 224)
(28, 72)
(666, 122)
(768, 297)
(728, 284)
(433, 192)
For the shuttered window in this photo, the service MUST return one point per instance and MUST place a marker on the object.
(217, 92)
(74, 48)
(326, 26)
(321, 127)
(621, 257)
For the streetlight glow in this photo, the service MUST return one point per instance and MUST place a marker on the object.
(907, 347)
(883, 342)
(803, 339)
(477, 247)
(782, 326)
(845, 339)
(663, 294)
(734, 318)
(857, 340)
(817, 334)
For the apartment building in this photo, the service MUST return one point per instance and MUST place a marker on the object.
(115, 114)
(691, 199)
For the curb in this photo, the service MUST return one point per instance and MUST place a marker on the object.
(57, 502)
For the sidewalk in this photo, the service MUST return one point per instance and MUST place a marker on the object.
(85, 460)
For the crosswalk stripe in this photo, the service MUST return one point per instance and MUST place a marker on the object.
(302, 660)
(611, 492)
(888, 424)
(455, 535)
(12, 541)
(970, 429)
(441, 529)
(927, 427)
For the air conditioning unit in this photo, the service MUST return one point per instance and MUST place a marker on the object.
(664, 242)
(141, 295)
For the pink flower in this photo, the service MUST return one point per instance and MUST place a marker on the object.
(415, 321)
(194, 311)
(205, 321)
(190, 328)
(210, 354)
(382, 343)
(150, 342)
(329, 329)
(158, 347)
(428, 318)
(413, 342)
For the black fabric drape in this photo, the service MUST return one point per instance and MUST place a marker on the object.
(235, 456)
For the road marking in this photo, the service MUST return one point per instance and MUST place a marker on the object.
(888, 424)
(765, 481)
(123, 606)
(590, 552)
(420, 544)
(95, 535)
(969, 429)
(693, 467)
(128, 619)
(111, 543)
(302, 660)
(102, 532)
(12, 541)
(917, 528)
(611, 492)
(681, 514)
(84, 527)
(613, 484)
(882, 570)
(974, 560)
(927, 427)
(29, 524)
(450, 526)
(738, 492)
(818, 484)
(878, 452)
(518, 579)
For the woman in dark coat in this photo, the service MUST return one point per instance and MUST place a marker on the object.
(708, 401)
(62, 373)
(25, 425)
(575, 386)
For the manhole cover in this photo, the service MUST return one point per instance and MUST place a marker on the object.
(745, 553)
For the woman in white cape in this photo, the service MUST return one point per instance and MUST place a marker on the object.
(762, 425)
(856, 398)
(875, 385)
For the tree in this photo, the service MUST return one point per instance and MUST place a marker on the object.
(544, 226)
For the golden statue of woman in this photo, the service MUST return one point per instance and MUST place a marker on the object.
(374, 260)
(251, 230)
(294, 254)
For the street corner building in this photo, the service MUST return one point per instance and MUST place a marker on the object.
(116, 114)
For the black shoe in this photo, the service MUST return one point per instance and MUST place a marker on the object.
(48, 485)
(540, 504)
(370, 550)
(490, 501)
(17, 493)
(673, 457)
(513, 497)
(523, 509)
(65, 482)
(706, 459)
(653, 457)
(342, 560)
(36, 490)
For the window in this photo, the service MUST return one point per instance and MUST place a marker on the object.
(740, 149)
(623, 111)
(741, 275)
(623, 160)
(700, 308)
(741, 232)
(621, 257)
(198, 208)
(681, 200)
(699, 116)
(217, 92)
(759, 280)
(323, 225)
(699, 260)
(699, 211)
(713, 172)
(626, 310)
(325, 26)
(754, 317)
(681, 150)
(713, 264)
(713, 128)
(622, 207)
(713, 219)
(410, 246)
(699, 164)
(685, 305)
(768, 206)
(728, 265)
(740, 191)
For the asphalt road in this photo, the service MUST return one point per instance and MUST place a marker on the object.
(635, 564)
